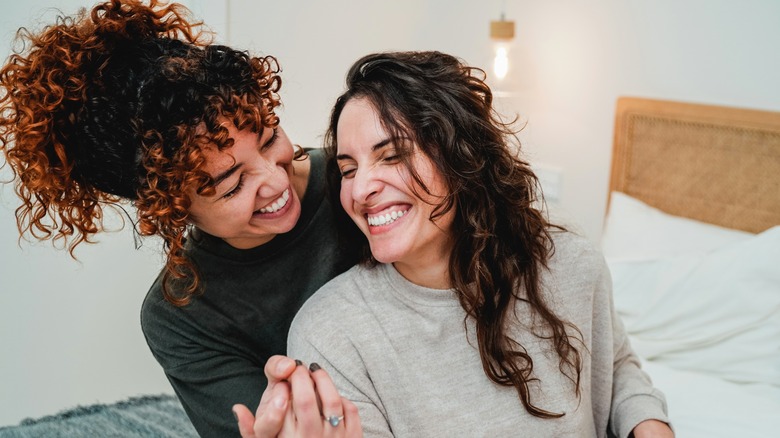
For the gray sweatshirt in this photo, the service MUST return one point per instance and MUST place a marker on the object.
(404, 356)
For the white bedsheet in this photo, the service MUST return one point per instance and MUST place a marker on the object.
(701, 305)
(702, 406)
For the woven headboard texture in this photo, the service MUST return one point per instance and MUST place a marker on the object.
(715, 164)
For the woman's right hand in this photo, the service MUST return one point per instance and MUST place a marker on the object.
(299, 402)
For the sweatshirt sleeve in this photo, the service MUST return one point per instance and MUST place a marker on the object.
(316, 336)
(208, 382)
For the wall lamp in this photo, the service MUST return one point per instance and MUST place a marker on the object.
(502, 32)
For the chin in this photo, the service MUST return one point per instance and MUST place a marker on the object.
(385, 256)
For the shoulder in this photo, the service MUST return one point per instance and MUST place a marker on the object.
(316, 164)
(573, 250)
(158, 319)
(154, 305)
(345, 289)
(165, 325)
(342, 301)
(577, 265)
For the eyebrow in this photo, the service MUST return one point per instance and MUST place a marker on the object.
(374, 148)
(225, 175)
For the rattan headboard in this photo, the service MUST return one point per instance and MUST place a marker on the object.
(715, 164)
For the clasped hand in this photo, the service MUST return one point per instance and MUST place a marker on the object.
(299, 402)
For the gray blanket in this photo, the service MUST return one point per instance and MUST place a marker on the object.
(152, 416)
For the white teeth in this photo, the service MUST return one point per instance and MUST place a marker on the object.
(385, 219)
(278, 204)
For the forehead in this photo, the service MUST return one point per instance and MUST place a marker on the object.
(359, 125)
(210, 151)
(219, 160)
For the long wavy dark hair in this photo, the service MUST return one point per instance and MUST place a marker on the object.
(501, 241)
(116, 104)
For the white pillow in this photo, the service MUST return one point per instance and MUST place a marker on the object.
(636, 231)
(716, 313)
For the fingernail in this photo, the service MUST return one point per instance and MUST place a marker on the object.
(234, 414)
(298, 363)
(314, 367)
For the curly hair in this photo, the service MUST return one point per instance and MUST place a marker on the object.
(116, 104)
(501, 241)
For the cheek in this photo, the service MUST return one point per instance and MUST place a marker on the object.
(288, 154)
(203, 216)
(195, 210)
(285, 150)
(345, 196)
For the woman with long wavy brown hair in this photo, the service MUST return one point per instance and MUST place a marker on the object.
(129, 103)
(470, 314)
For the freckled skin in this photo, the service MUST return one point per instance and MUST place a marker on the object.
(266, 174)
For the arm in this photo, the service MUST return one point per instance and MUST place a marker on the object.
(638, 409)
(336, 353)
(209, 388)
(207, 375)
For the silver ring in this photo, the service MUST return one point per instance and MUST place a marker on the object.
(334, 420)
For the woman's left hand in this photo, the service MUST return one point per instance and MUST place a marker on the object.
(313, 408)
(652, 429)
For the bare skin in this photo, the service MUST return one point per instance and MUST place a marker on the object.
(312, 397)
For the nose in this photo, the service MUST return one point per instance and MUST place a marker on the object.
(365, 185)
(272, 176)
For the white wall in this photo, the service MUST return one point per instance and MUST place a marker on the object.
(571, 59)
(69, 331)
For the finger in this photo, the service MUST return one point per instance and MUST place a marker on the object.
(304, 403)
(245, 420)
(351, 419)
(270, 423)
(277, 368)
(290, 425)
(328, 394)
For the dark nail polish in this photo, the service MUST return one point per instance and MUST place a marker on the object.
(298, 363)
(314, 367)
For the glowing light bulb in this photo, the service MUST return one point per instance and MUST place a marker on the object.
(501, 63)
(502, 32)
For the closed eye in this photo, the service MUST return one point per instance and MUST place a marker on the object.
(347, 171)
(391, 158)
(235, 189)
(270, 142)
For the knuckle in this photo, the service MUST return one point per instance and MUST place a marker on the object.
(306, 404)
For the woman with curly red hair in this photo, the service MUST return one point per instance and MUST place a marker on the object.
(128, 102)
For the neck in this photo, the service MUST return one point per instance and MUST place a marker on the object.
(433, 275)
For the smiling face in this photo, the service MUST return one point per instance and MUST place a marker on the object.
(255, 197)
(390, 208)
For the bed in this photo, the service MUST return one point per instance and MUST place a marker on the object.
(692, 239)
